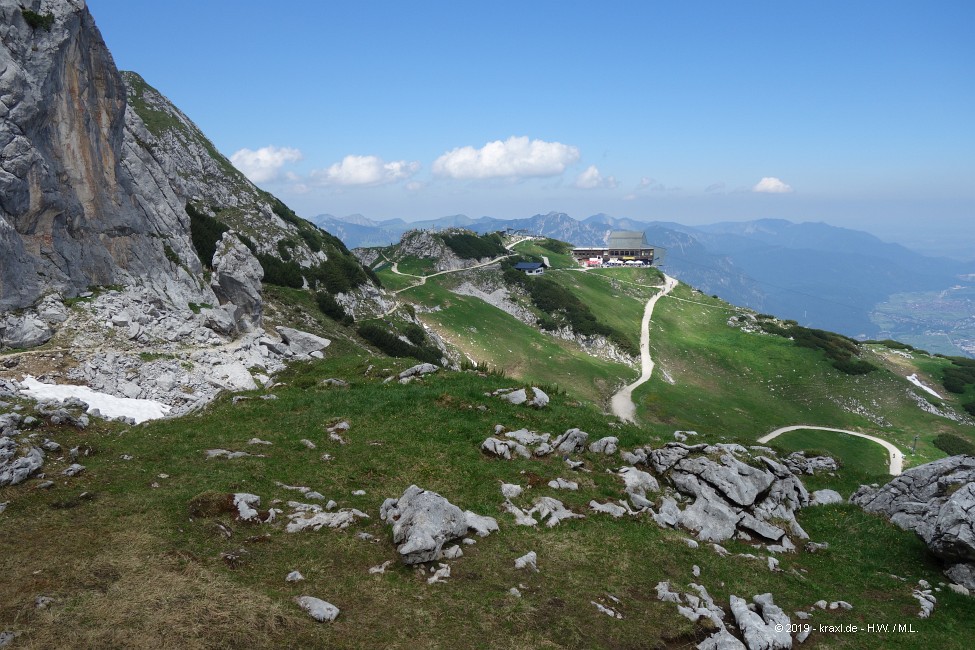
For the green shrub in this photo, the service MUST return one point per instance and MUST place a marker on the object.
(394, 346)
(205, 231)
(842, 351)
(331, 308)
(36, 20)
(283, 274)
(954, 445)
(470, 246)
(284, 250)
(892, 344)
(959, 375)
(170, 254)
(561, 307)
(415, 334)
(969, 407)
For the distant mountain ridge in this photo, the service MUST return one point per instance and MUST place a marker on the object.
(821, 275)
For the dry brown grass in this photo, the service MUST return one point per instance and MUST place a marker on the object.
(122, 589)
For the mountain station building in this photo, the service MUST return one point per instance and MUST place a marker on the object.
(623, 247)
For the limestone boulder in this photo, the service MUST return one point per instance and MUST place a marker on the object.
(936, 500)
(766, 628)
(18, 464)
(423, 521)
(23, 331)
(301, 344)
(236, 281)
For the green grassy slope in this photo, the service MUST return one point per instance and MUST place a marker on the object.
(488, 335)
(128, 565)
(743, 385)
(710, 377)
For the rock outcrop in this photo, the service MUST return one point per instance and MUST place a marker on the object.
(18, 462)
(78, 207)
(102, 180)
(423, 521)
(732, 498)
(937, 501)
(236, 282)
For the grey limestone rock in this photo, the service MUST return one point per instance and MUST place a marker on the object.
(739, 482)
(936, 500)
(422, 521)
(799, 463)
(78, 205)
(73, 470)
(301, 344)
(963, 574)
(23, 331)
(766, 629)
(571, 441)
(710, 518)
(506, 449)
(607, 445)
(236, 282)
(825, 497)
(18, 464)
(721, 640)
(612, 509)
(515, 397)
(320, 610)
(419, 370)
(539, 400)
(668, 514)
(527, 561)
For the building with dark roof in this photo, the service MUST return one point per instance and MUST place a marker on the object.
(622, 247)
(530, 268)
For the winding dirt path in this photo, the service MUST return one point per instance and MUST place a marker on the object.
(622, 403)
(896, 456)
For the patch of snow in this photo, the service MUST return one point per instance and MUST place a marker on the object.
(110, 406)
(917, 382)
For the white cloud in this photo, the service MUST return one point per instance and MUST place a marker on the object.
(365, 170)
(592, 179)
(414, 186)
(645, 182)
(264, 164)
(516, 157)
(717, 187)
(771, 185)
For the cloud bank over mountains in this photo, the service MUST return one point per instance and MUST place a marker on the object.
(516, 157)
(514, 160)
(772, 185)
(264, 165)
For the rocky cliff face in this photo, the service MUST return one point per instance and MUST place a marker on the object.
(78, 207)
(99, 176)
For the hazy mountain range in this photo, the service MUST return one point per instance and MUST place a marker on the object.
(821, 275)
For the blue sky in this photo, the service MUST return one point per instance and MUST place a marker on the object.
(853, 113)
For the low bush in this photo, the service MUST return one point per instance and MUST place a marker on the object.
(842, 351)
(470, 246)
(394, 346)
(959, 375)
(954, 445)
(331, 308)
(36, 20)
(205, 232)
